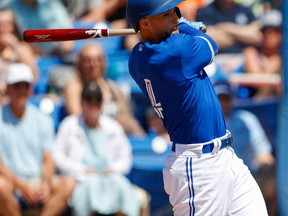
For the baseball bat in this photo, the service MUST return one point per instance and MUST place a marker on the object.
(56, 35)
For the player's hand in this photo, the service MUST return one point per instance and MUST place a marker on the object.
(196, 25)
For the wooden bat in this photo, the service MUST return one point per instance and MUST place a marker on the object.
(56, 35)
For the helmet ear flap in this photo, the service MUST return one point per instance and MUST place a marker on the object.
(178, 12)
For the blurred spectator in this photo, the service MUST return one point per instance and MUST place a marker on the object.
(43, 14)
(257, 6)
(5, 3)
(86, 11)
(271, 4)
(12, 48)
(233, 27)
(101, 14)
(260, 7)
(189, 8)
(266, 59)
(93, 149)
(250, 144)
(26, 165)
(91, 66)
(93, 10)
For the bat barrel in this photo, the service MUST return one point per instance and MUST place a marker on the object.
(55, 35)
(51, 35)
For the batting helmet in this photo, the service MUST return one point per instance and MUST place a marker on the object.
(138, 9)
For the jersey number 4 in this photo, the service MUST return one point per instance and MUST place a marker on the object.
(157, 106)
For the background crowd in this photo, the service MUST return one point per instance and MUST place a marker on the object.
(58, 98)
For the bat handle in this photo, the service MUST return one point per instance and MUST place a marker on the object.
(121, 32)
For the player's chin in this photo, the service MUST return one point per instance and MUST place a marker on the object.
(175, 30)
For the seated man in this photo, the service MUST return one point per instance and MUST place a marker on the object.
(26, 165)
(233, 27)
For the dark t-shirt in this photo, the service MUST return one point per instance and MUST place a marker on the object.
(212, 14)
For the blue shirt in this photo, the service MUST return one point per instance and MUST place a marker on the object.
(171, 76)
(47, 14)
(249, 136)
(23, 141)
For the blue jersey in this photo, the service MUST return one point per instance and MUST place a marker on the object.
(171, 76)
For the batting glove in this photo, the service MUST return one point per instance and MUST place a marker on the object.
(196, 25)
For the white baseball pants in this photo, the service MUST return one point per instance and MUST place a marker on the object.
(211, 184)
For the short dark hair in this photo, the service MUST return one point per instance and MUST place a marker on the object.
(92, 92)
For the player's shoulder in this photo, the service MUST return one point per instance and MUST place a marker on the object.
(179, 42)
(136, 47)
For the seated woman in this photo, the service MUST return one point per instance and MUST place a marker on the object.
(91, 66)
(93, 149)
(266, 59)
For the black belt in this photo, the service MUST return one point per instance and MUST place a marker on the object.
(208, 148)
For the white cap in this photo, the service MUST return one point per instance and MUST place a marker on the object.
(19, 72)
(272, 19)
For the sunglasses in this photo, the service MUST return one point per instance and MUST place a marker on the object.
(21, 85)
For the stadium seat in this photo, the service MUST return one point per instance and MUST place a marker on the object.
(266, 111)
(56, 109)
(45, 64)
(147, 169)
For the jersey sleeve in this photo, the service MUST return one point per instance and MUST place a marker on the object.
(197, 50)
(185, 28)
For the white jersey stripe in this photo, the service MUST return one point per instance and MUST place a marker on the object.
(211, 48)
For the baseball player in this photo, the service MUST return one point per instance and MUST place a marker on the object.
(202, 176)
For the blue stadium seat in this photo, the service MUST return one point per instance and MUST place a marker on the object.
(58, 113)
(147, 170)
(117, 65)
(45, 64)
(266, 111)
